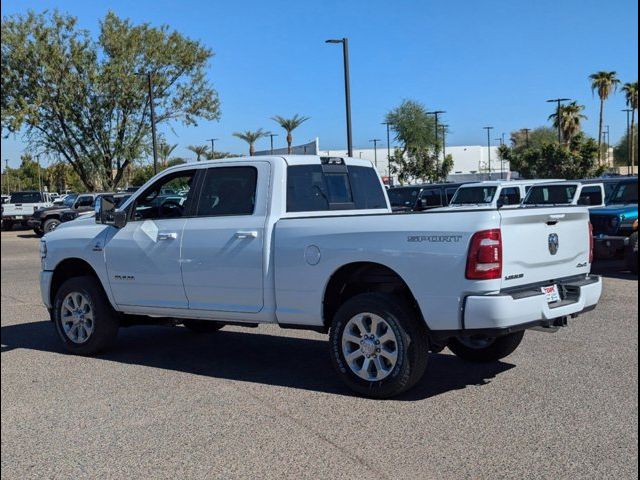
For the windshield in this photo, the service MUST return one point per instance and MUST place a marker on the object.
(474, 195)
(625, 193)
(25, 197)
(551, 195)
(69, 199)
(403, 197)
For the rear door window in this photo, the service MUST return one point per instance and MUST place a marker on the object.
(590, 195)
(228, 191)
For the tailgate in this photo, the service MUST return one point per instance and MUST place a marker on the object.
(541, 244)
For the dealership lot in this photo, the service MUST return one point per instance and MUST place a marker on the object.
(264, 403)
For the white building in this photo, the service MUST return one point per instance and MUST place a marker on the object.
(470, 162)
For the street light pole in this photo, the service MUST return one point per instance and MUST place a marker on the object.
(435, 113)
(271, 135)
(6, 173)
(444, 141)
(153, 121)
(213, 145)
(39, 176)
(526, 133)
(388, 151)
(488, 129)
(375, 150)
(629, 151)
(347, 88)
(559, 102)
(500, 140)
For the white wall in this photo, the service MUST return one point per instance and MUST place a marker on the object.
(466, 159)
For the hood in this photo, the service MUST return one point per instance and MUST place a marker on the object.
(628, 210)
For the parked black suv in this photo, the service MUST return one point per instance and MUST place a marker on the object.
(416, 198)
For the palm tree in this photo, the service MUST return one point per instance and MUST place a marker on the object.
(251, 138)
(631, 93)
(570, 119)
(604, 83)
(199, 150)
(164, 151)
(290, 124)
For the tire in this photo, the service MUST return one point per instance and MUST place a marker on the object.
(631, 255)
(50, 225)
(202, 326)
(100, 332)
(38, 232)
(7, 225)
(486, 349)
(406, 342)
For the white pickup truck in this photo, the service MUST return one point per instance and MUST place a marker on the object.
(21, 205)
(310, 242)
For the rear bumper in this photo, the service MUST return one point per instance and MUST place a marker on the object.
(528, 307)
(16, 218)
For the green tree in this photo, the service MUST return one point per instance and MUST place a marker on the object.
(578, 159)
(605, 83)
(537, 137)
(251, 137)
(621, 150)
(570, 120)
(164, 152)
(199, 150)
(289, 125)
(416, 158)
(81, 98)
(631, 95)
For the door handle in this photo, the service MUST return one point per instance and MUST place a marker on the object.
(167, 236)
(250, 234)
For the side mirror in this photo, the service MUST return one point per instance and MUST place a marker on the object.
(107, 214)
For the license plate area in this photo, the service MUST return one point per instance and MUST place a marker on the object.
(551, 293)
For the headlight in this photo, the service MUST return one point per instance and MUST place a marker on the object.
(43, 249)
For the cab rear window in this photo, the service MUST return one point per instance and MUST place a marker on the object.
(314, 188)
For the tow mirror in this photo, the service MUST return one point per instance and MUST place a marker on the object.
(107, 214)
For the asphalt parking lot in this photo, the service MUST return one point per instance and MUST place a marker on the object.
(264, 403)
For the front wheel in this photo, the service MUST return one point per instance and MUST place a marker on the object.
(482, 349)
(377, 345)
(84, 319)
(50, 225)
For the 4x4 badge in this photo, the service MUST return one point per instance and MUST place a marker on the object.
(554, 243)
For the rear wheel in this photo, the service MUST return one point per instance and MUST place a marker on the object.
(377, 345)
(84, 319)
(481, 348)
(203, 326)
(631, 255)
(50, 225)
(7, 225)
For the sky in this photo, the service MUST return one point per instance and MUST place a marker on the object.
(491, 62)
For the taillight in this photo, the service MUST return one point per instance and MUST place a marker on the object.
(590, 243)
(484, 261)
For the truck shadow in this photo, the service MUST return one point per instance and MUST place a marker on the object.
(249, 357)
(613, 268)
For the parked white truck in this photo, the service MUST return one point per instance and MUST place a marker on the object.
(21, 205)
(310, 242)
